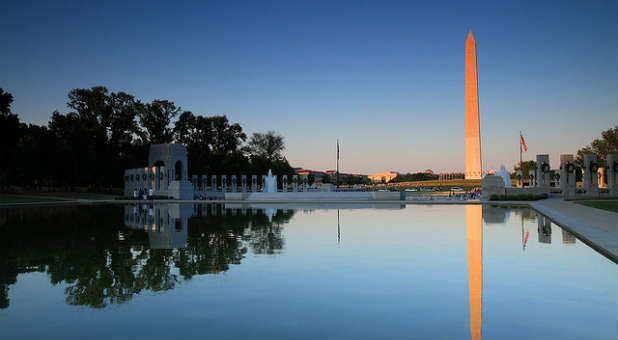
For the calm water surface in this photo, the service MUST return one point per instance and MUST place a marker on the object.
(234, 272)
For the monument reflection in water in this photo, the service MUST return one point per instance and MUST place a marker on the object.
(474, 231)
(359, 271)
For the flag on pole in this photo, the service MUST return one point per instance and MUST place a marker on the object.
(523, 142)
(337, 149)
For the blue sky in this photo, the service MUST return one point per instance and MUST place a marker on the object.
(386, 78)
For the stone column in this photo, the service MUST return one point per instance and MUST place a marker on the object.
(612, 173)
(284, 183)
(166, 179)
(243, 183)
(152, 178)
(590, 175)
(263, 183)
(520, 179)
(204, 186)
(213, 183)
(294, 183)
(157, 179)
(542, 171)
(254, 183)
(567, 176)
(305, 183)
(194, 182)
(233, 181)
(602, 177)
(224, 183)
(531, 179)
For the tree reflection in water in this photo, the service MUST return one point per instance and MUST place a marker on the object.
(105, 262)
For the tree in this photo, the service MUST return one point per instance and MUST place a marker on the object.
(268, 145)
(226, 138)
(10, 131)
(5, 102)
(600, 147)
(310, 179)
(413, 177)
(185, 128)
(326, 179)
(155, 119)
(528, 167)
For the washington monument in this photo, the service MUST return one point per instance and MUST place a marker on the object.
(473, 135)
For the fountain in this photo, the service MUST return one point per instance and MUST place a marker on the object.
(505, 176)
(270, 184)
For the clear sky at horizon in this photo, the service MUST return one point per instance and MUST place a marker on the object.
(386, 78)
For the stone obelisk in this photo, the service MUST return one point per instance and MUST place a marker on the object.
(473, 134)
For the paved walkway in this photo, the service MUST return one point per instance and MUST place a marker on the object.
(598, 228)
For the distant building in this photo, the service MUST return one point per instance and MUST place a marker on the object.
(429, 172)
(451, 175)
(319, 175)
(385, 176)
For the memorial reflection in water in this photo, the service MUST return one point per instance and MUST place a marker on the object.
(330, 263)
(104, 262)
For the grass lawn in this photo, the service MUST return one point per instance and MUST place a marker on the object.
(608, 205)
(11, 198)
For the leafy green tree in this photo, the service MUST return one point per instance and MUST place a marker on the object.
(608, 143)
(226, 137)
(412, 177)
(529, 167)
(155, 119)
(310, 179)
(10, 131)
(327, 179)
(5, 102)
(268, 145)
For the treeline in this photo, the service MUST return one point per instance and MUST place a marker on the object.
(345, 179)
(105, 133)
(413, 177)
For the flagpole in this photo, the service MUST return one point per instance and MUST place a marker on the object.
(337, 163)
(520, 161)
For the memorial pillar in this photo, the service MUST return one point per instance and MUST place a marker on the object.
(194, 182)
(166, 178)
(294, 183)
(223, 183)
(602, 178)
(213, 183)
(263, 182)
(305, 183)
(243, 183)
(590, 179)
(542, 171)
(612, 173)
(204, 185)
(233, 181)
(254, 183)
(284, 183)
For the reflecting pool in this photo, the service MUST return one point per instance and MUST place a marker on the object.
(299, 272)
